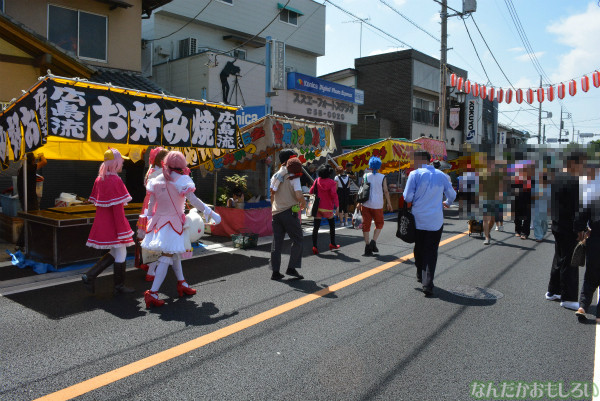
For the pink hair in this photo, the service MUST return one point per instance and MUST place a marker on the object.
(174, 161)
(111, 166)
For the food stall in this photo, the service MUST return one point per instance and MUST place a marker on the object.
(72, 119)
(395, 155)
(262, 139)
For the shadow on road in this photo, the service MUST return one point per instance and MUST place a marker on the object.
(189, 312)
(308, 287)
(452, 298)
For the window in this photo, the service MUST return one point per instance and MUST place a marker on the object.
(239, 54)
(2, 5)
(77, 31)
(424, 112)
(291, 17)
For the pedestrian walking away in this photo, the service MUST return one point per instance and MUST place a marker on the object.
(287, 201)
(343, 194)
(326, 190)
(165, 219)
(372, 209)
(111, 229)
(564, 204)
(424, 192)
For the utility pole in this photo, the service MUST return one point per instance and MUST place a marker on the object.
(540, 118)
(444, 51)
(544, 134)
(561, 125)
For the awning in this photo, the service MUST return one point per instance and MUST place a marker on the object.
(78, 120)
(436, 148)
(264, 137)
(284, 7)
(394, 154)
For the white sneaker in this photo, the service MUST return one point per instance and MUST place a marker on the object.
(501, 228)
(497, 229)
(570, 305)
(552, 297)
(486, 242)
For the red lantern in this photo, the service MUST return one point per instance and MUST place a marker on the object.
(482, 91)
(529, 95)
(467, 87)
(475, 90)
(540, 94)
(491, 94)
(459, 84)
(585, 83)
(500, 95)
(596, 79)
(560, 90)
(519, 96)
(509, 95)
(453, 80)
(572, 87)
(551, 93)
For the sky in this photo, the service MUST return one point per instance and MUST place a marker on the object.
(562, 34)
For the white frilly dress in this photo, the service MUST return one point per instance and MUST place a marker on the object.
(164, 230)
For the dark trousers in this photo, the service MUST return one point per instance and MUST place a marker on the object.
(426, 254)
(591, 278)
(523, 225)
(286, 222)
(564, 279)
(315, 233)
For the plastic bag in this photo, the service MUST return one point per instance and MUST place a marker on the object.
(357, 219)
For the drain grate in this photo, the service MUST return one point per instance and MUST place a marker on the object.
(466, 291)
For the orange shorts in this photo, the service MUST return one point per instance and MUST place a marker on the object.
(369, 214)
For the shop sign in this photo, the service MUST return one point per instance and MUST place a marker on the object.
(306, 83)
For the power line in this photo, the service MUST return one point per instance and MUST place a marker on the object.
(184, 25)
(490, 50)
(409, 20)
(371, 25)
(476, 52)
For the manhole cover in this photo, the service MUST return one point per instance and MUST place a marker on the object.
(476, 292)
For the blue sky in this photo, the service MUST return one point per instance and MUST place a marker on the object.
(563, 35)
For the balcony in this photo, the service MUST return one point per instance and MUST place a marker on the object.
(425, 117)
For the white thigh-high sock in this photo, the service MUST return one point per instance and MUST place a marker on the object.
(161, 272)
(152, 268)
(177, 269)
(119, 254)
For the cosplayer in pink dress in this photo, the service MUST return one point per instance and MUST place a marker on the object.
(110, 230)
(149, 261)
(166, 217)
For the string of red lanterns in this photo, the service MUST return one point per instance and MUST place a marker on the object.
(529, 95)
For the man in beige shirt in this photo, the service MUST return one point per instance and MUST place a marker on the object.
(286, 193)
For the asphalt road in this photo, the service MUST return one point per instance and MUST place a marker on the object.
(376, 337)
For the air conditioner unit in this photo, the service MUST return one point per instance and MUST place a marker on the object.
(187, 47)
(239, 54)
(162, 51)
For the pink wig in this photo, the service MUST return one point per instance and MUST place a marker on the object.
(174, 161)
(111, 166)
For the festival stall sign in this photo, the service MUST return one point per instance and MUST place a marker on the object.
(392, 152)
(311, 140)
(77, 120)
(436, 148)
(475, 160)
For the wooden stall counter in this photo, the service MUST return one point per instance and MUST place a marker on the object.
(58, 235)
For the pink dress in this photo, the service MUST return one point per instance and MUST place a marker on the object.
(164, 231)
(328, 198)
(111, 228)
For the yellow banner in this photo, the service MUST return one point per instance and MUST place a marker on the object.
(393, 154)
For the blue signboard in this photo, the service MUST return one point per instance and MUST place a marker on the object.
(249, 114)
(306, 83)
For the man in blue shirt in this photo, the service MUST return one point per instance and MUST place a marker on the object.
(424, 191)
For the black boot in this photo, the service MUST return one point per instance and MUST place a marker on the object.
(89, 278)
(374, 246)
(368, 250)
(119, 276)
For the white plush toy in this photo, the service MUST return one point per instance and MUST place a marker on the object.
(193, 230)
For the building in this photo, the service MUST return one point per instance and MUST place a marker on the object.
(508, 136)
(402, 98)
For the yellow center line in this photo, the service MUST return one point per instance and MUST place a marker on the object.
(156, 359)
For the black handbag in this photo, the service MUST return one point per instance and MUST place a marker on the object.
(364, 191)
(313, 206)
(407, 228)
(578, 257)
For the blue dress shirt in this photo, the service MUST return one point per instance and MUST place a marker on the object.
(425, 189)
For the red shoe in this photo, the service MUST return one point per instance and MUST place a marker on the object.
(182, 289)
(332, 247)
(143, 267)
(315, 250)
(149, 277)
(151, 298)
